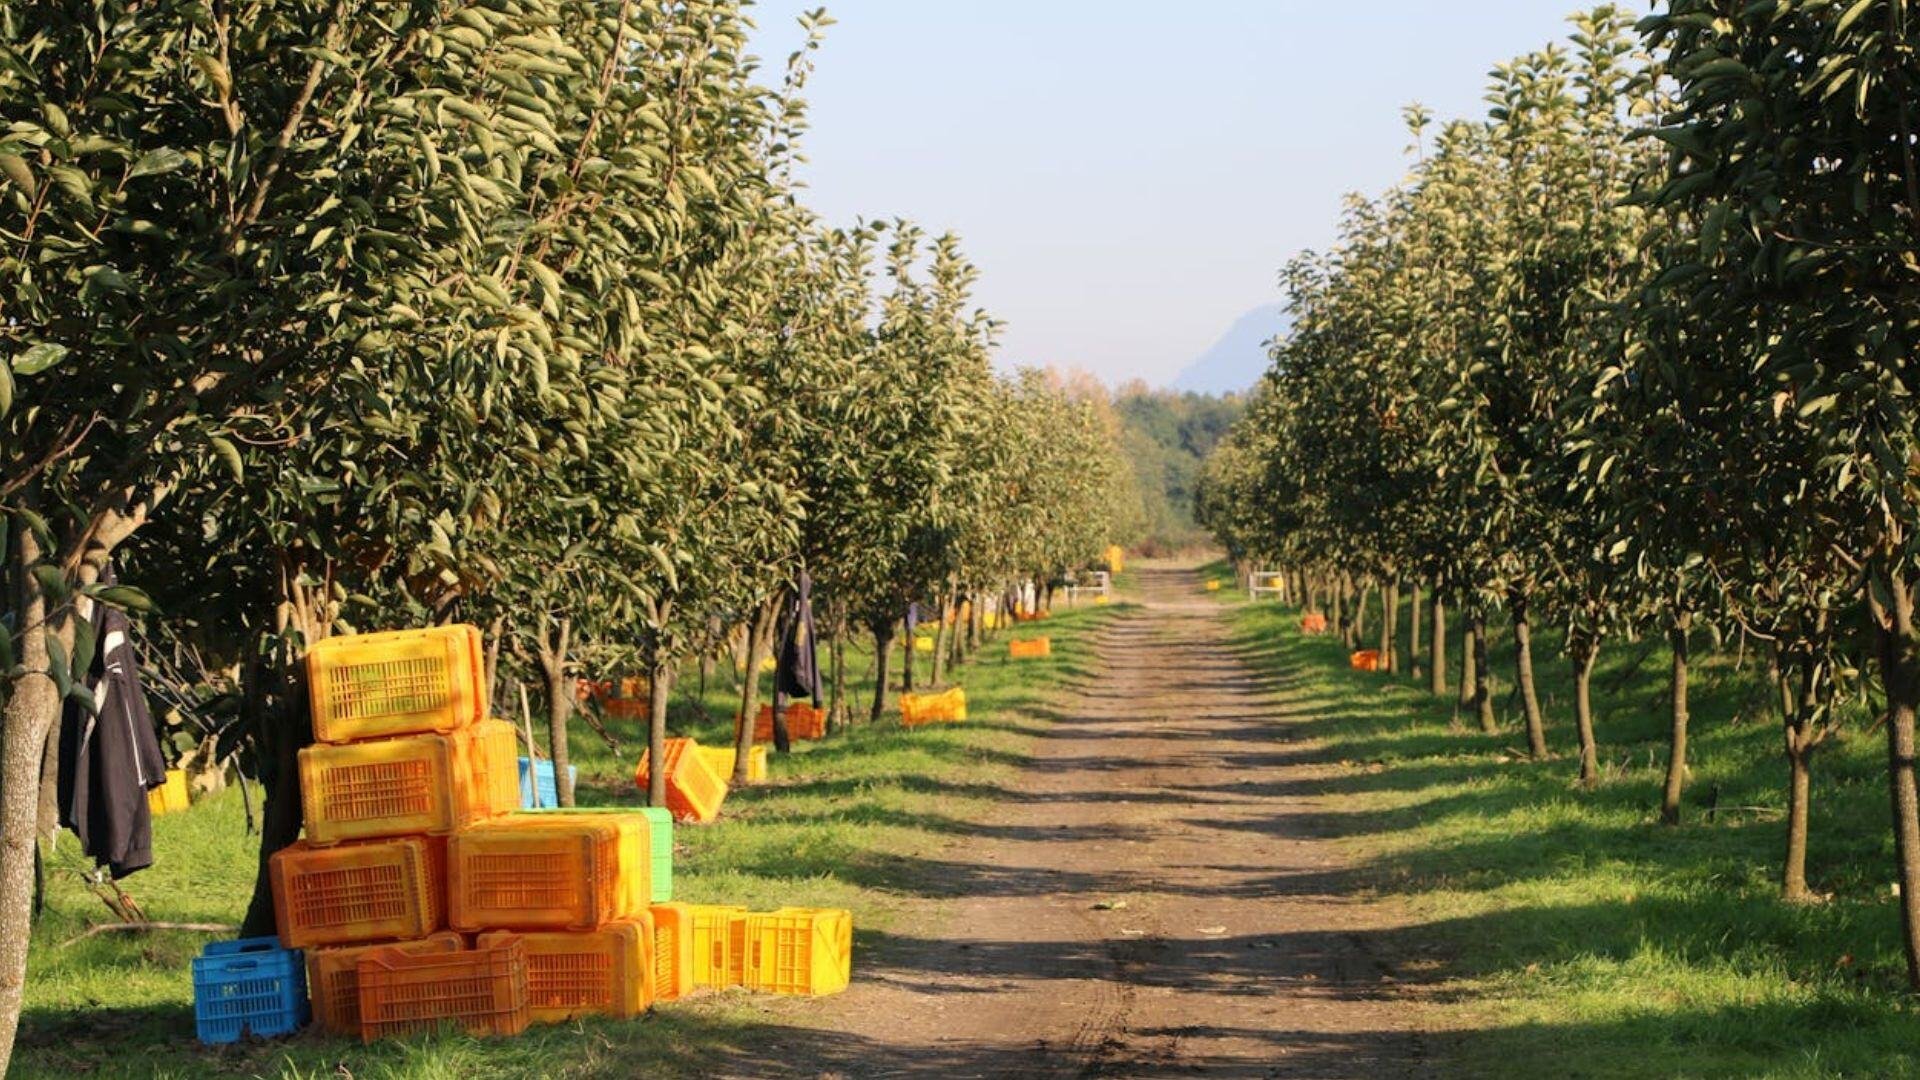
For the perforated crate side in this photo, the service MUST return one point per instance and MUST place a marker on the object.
(252, 986)
(484, 991)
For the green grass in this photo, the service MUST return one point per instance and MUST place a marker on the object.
(855, 821)
(1564, 932)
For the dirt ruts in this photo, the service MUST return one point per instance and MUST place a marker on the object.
(1155, 899)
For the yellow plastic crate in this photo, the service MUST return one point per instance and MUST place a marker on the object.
(604, 972)
(170, 797)
(799, 951)
(721, 759)
(672, 951)
(431, 784)
(406, 682)
(947, 707)
(719, 944)
(1035, 649)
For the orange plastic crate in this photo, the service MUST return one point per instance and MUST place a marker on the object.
(1366, 660)
(523, 873)
(694, 791)
(1037, 649)
(672, 951)
(804, 722)
(384, 890)
(719, 934)
(635, 855)
(484, 991)
(1313, 622)
(333, 978)
(799, 951)
(604, 972)
(406, 682)
(430, 784)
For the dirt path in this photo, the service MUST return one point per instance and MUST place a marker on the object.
(1155, 902)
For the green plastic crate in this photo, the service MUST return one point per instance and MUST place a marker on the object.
(660, 831)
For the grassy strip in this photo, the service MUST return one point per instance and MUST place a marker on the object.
(1569, 929)
(846, 822)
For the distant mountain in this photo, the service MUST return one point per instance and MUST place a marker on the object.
(1238, 360)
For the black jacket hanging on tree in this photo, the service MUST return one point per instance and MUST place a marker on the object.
(109, 756)
(797, 672)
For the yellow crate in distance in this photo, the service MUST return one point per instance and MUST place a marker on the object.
(170, 797)
(404, 682)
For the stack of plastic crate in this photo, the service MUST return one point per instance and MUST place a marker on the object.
(573, 890)
(404, 759)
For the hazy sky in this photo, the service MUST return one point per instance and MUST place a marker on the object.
(1130, 175)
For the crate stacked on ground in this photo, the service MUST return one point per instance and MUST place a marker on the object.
(573, 890)
(403, 760)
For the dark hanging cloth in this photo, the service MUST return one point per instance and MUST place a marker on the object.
(797, 671)
(109, 755)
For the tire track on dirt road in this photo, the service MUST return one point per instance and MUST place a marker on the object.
(1153, 898)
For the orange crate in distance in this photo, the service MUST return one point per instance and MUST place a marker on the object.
(694, 791)
(383, 890)
(406, 682)
(333, 978)
(604, 972)
(482, 990)
(1037, 649)
(1366, 660)
(430, 784)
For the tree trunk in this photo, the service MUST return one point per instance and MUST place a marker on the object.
(1360, 601)
(1582, 651)
(1677, 739)
(495, 633)
(837, 675)
(32, 708)
(1799, 743)
(1340, 621)
(940, 642)
(973, 625)
(659, 689)
(1389, 624)
(882, 652)
(553, 653)
(759, 640)
(1437, 641)
(1469, 671)
(1900, 674)
(1523, 670)
(908, 633)
(1413, 629)
(1793, 871)
(1483, 676)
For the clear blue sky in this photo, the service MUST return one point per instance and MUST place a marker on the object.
(1130, 175)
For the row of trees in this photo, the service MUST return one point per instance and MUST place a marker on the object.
(328, 315)
(1633, 354)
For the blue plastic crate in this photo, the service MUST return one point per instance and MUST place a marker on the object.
(549, 794)
(248, 987)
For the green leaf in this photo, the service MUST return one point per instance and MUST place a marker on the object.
(39, 358)
(124, 597)
(15, 169)
(157, 162)
(229, 456)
